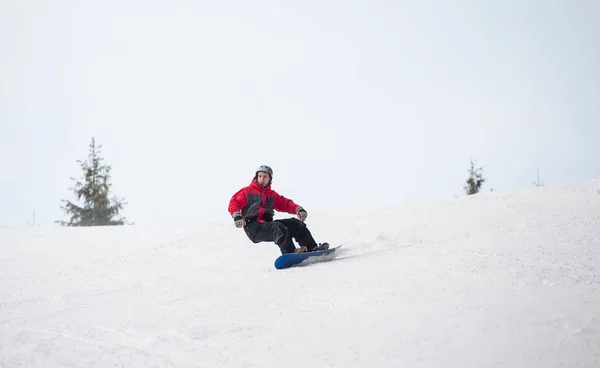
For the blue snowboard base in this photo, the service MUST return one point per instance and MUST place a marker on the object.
(300, 259)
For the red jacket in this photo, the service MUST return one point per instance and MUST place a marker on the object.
(257, 203)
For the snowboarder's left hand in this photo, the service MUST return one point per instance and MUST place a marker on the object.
(301, 213)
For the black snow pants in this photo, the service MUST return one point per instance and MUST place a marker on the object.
(281, 232)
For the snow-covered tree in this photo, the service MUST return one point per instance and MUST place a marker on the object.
(475, 179)
(94, 190)
(538, 183)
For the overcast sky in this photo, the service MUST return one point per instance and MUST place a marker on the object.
(352, 103)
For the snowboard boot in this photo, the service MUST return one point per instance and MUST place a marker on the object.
(301, 250)
(321, 246)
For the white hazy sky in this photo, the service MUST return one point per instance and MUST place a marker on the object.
(352, 103)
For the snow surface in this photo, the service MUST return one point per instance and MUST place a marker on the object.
(491, 280)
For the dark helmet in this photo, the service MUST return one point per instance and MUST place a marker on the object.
(265, 168)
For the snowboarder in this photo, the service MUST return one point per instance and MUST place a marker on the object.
(252, 208)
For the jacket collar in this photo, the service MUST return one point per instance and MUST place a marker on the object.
(258, 187)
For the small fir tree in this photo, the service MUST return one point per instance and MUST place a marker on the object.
(475, 179)
(538, 183)
(97, 209)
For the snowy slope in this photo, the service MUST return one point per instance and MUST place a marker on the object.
(492, 280)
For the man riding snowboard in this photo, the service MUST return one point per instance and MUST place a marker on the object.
(252, 208)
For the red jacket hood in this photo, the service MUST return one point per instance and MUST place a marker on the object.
(255, 184)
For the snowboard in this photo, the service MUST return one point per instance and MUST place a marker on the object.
(299, 259)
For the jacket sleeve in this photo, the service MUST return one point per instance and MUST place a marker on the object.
(283, 204)
(238, 201)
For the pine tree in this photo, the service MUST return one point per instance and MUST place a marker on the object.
(538, 183)
(97, 209)
(475, 179)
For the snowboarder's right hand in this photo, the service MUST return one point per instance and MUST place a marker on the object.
(239, 220)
